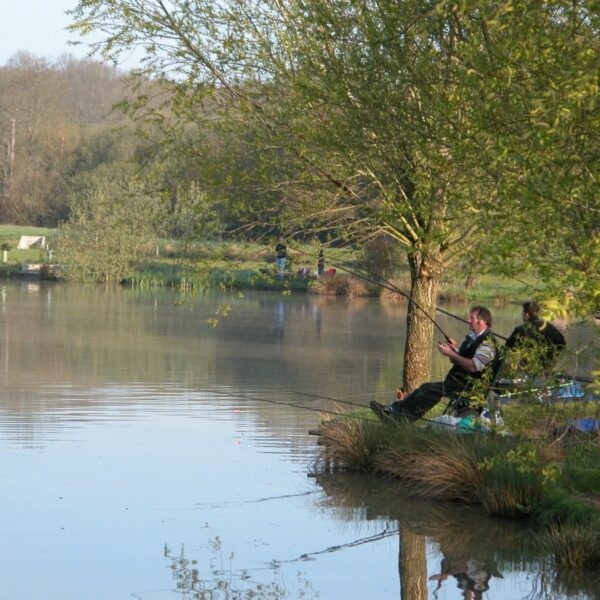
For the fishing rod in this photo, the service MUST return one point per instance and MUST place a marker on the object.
(321, 397)
(269, 401)
(384, 283)
(396, 422)
(388, 285)
(393, 288)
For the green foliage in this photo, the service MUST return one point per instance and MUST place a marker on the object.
(107, 231)
(519, 470)
(528, 360)
(434, 124)
(49, 112)
(190, 215)
(581, 472)
(532, 411)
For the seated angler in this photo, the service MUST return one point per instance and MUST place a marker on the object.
(537, 343)
(471, 362)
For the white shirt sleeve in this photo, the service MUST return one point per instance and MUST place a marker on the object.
(483, 356)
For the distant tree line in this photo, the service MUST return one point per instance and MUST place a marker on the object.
(66, 132)
(56, 122)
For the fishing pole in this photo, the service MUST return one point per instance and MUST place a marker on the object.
(269, 401)
(321, 397)
(393, 421)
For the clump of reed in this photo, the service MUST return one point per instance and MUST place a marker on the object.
(434, 464)
(438, 466)
(351, 442)
(553, 480)
(340, 285)
(509, 493)
(506, 477)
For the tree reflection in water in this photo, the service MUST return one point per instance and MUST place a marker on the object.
(476, 550)
(412, 565)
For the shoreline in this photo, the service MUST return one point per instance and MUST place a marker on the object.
(553, 483)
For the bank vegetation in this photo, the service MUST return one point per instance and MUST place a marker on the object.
(544, 471)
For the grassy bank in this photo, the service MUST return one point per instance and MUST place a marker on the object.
(198, 265)
(551, 479)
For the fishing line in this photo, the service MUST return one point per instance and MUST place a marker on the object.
(267, 400)
(319, 396)
(396, 422)
(217, 505)
(386, 285)
(359, 542)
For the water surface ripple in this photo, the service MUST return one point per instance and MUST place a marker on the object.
(149, 455)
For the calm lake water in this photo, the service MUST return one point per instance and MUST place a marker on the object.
(148, 454)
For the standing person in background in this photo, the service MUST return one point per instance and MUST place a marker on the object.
(281, 259)
(320, 264)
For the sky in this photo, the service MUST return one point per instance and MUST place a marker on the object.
(37, 26)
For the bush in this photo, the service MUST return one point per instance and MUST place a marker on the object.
(106, 233)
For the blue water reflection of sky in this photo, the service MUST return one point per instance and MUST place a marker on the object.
(121, 476)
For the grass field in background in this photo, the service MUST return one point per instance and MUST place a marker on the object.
(243, 265)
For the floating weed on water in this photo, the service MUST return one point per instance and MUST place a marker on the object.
(215, 582)
(223, 311)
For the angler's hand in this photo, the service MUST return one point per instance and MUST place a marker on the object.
(446, 348)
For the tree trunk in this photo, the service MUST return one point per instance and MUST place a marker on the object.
(412, 564)
(425, 275)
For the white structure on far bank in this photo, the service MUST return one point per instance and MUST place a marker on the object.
(31, 241)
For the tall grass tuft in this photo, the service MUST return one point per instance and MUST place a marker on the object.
(442, 468)
(513, 480)
(351, 442)
(508, 497)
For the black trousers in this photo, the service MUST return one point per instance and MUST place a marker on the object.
(424, 398)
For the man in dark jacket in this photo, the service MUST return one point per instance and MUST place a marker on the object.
(537, 341)
(471, 362)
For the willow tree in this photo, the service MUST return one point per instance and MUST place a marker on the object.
(396, 111)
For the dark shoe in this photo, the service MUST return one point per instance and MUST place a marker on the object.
(383, 412)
